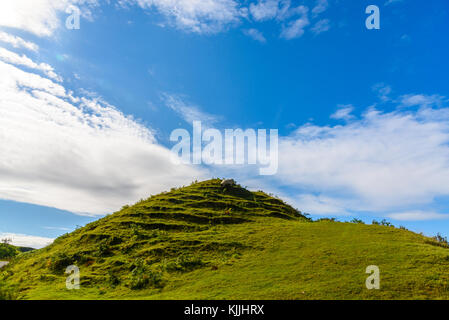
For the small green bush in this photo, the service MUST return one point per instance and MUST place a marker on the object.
(184, 263)
(7, 251)
(440, 239)
(142, 277)
(59, 262)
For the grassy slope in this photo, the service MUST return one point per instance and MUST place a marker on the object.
(193, 247)
(8, 251)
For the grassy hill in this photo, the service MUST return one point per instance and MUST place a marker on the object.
(206, 242)
(8, 251)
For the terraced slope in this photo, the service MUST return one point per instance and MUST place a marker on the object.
(137, 247)
(206, 242)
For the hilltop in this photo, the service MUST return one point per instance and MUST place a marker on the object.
(204, 241)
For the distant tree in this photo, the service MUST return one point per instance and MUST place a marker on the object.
(441, 239)
(384, 222)
(6, 250)
(7, 240)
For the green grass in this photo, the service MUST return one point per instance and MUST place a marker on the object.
(203, 242)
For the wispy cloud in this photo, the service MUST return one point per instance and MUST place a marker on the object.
(411, 100)
(255, 34)
(40, 17)
(76, 153)
(295, 28)
(207, 16)
(264, 9)
(14, 58)
(321, 26)
(18, 42)
(320, 7)
(343, 112)
(383, 91)
(23, 240)
(389, 2)
(58, 228)
(189, 112)
(418, 216)
(44, 17)
(381, 162)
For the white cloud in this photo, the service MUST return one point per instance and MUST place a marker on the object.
(188, 112)
(76, 153)
(201, 16)
(320, 7)
(256, 35)
(295, 28)
(44, 17)
(23, 240)
(321, 26)
(389, 2)
(343, 113)
(319, 204)
(411, 100)
(40, 17)
(58, 228)
(18, 42)
(383, 91)
(418, 216)
(14, 58)
(381, 162)
(264, 9)
(274, 9)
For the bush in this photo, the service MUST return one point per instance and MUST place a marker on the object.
(358, 221)
(326, 220)
(384, 222)
(113, 279)
(7, 251)
(142, 277)
(59, 262)
(440, 239)
(184, 263)
(103, 248)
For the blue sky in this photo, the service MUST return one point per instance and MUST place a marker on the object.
(86, 114)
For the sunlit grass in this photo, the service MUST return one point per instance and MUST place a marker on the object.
(203, 242)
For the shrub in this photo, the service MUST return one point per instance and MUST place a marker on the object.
(113, 279)
(142, 277)
(7, 251)
(440, 239)
(136, 231)
(358, 221)
(103, 249)
(184, 263)
(59, 262)
(384, 222)
(326, 220)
